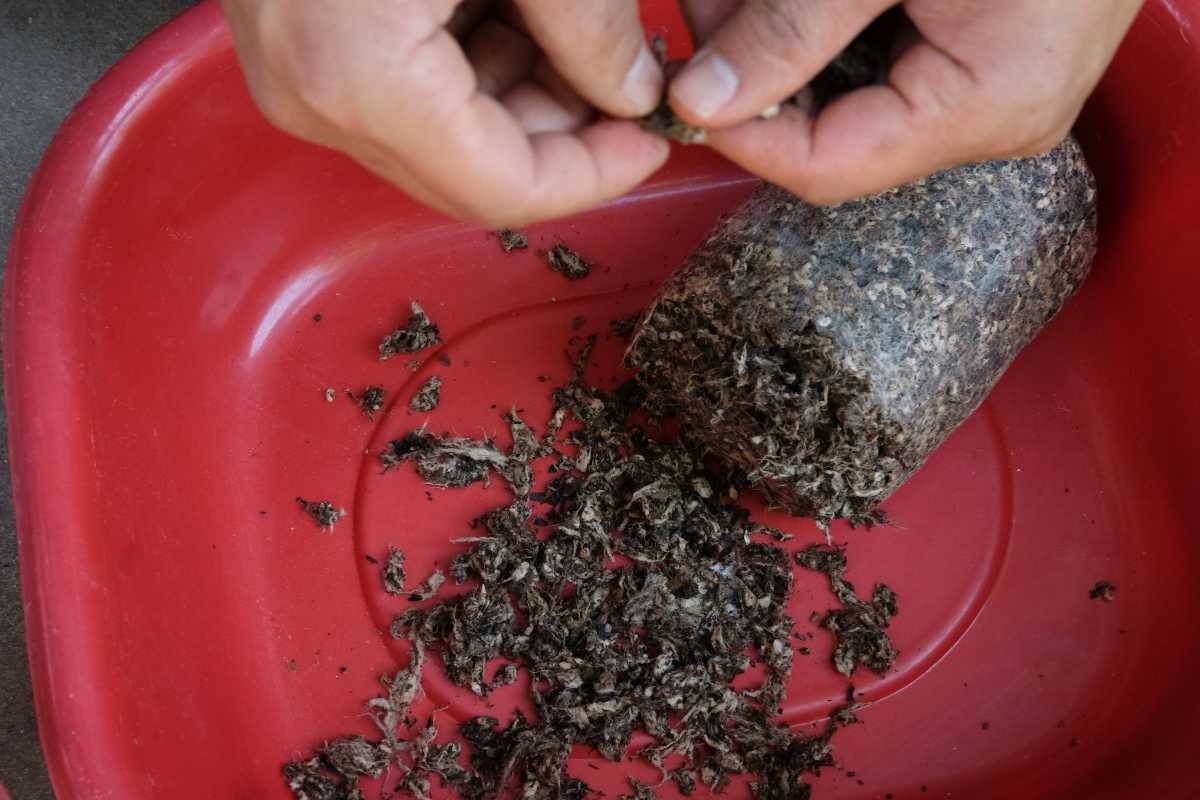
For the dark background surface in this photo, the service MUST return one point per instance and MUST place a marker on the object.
(51, 51)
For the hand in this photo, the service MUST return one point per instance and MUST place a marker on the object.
(482, 110)
(971, 80)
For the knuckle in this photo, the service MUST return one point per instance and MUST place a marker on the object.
(610, 24)
(607, 48)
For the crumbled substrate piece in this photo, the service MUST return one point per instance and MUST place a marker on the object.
(354, 755)
(663, 121)
(828, 351)
(323, 512)
(685, 780)
(417, 334)
(860, 627)
(640, 791)
(565, 260)
(429, 588)
(446, 463)
(1103, 590)
(309, 780)
(505, 676)
(512, 240)
(393, 571)
(428, 396)
(370, 401)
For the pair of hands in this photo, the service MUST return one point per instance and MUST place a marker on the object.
(510, 111)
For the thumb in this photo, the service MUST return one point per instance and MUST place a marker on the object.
(764, 53)
(599, 47)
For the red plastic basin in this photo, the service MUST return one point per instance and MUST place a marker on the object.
(190, 630)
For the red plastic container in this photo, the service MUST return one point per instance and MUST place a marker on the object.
(190, 630)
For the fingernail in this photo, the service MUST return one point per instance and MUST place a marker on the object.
(706, 84)
(643, 83)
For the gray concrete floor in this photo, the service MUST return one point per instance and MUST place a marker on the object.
(51, 51)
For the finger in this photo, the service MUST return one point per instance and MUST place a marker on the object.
(384, 163)
(704, 17)
(547, 103)
(439, 128)
(603, 161)
(537, 111)
(765, 52)
(520, 179)
(923, 121)
(600, 48)
(501, 56)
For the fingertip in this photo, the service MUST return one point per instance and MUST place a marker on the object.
(624, 147)
(600, 47)
(703, 87)
(643, 83)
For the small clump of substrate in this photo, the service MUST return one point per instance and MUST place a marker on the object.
(512, 240)
(394, 575)
(370, 401)
(323, 512)
(1103, 590)
(428, 396)
(418, 333)
(565, 260)
(860, 626)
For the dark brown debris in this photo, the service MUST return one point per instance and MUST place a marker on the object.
(565, 260)
(323, 512)
(861, 627)
(1103, 590)
(418, 333)
(393, 571)
(663, 121)
(370, 401)
(428, 588)
(428, 396)
(512, 240)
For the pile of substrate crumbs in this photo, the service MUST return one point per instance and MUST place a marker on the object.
(651, 641)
